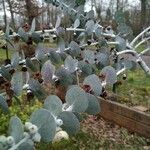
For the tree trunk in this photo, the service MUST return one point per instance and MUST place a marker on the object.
(28, 5)
(5, 17)
(118, 5)
(12, 14)
(143, 14)
(48, 14)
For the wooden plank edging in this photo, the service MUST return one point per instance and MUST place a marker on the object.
(124, 116)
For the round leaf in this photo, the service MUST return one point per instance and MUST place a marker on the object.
(5, 73)
(102, 59)
(121, 43)
(55, 57)
(15, 60)
(46, 124)
(85, 68)
(16, 129)
(90, 14)
(75, 49)
(17, 83)
(58, 22)
(76, 97)
(110, 75)
(90, 27)
(89, 56)
(31, 65)
(70, 123)
(33, 26)
(47, 71)
(95, 83)
(36, 37)
(94, 105)
(3, 104)
(23, 34)
(37, 89)
(39, 52)
(71, 64)
(65, 77)
(61, 45)
(53, 104)
(76, 23)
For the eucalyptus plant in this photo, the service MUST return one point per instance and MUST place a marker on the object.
(72, 67)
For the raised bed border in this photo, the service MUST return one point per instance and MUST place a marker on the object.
(133, 120)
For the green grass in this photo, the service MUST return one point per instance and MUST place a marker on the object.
(141, 48)
(136, 89)
(3, 55)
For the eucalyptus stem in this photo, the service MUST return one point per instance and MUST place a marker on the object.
(137, 37)
(145, 51)
(7, 55)
(77, 76)
(143, 41)
(67, 29)
(21, 142)
(121, 71)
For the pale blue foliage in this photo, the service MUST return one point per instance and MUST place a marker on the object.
(76, 97)
(16, 129)
(15, 60)
(46, 124)
(70, 123)
(94, 105)
(3, 104)
(23, 35)
(17, 83)
(71, 64)
(110, 75)
(53, 104)
(47, 71)
(95, 84)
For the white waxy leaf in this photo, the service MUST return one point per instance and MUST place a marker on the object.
(47, 71)
(110, 75)
(95, 83)
(71, 64)
(76, 23)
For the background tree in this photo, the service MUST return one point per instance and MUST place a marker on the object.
(143, 13)
(11, 13)
(4, 10)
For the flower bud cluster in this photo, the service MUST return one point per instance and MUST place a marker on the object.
(33, 131)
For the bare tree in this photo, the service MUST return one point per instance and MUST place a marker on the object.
(11, 12)
(143, 13)
(5, 16)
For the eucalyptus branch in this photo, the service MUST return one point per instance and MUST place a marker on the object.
(67, 29)
(23, 61)
(77, 76)
(133, 52)
(140, 61)
(121, 71)
(21, 142)
(143, 65)
(143, 41)
(145, 51)
(137, 37)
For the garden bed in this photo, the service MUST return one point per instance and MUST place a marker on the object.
(130, 118)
